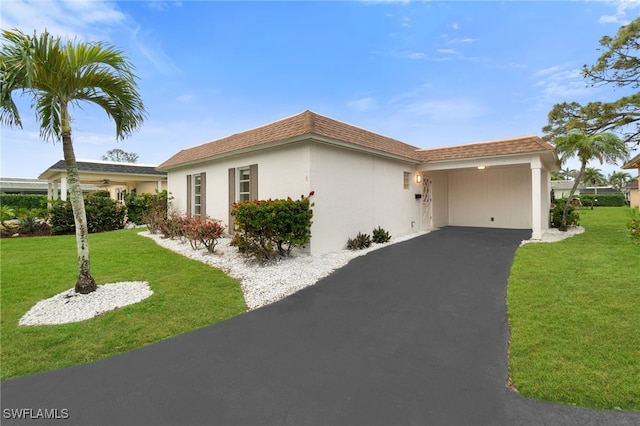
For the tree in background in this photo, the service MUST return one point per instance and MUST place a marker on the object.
(593, 177)
(618, 65)
(605, 147)
(58, 75)
(619, 180)
(120, 156)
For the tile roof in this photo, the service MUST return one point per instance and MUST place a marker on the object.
(107, 167)
(305, 123)
(518, 145)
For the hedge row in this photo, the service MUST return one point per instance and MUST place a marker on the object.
(23, 201)
(604, 200)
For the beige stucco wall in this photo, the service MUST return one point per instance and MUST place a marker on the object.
(354, 192)
(357, 192)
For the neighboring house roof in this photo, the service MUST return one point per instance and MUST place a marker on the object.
(634, 163)
(518, 145)
(633, 184)
(309, 124)
(564, 184)
(31, 185)
(104, 168)
(306, 123)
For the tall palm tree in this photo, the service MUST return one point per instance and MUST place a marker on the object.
(58, 75)
(605, 147)
(593, 176)
(619, 180)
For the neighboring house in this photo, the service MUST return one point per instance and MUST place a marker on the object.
(562, 188)
(634, 193)
(363, 180)
(30, 186)
(117, 178)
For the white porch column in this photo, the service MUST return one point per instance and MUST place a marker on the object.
(63, 188)
(55, 194)
(536, 199)
(159, 186)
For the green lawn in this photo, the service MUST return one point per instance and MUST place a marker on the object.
(187, 295)
(574, 311)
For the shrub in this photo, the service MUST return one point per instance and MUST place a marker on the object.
(604, 200)
(156, 210)
(266, 228)
(573, 218)
(136, 206)
(361, 241)
(103, 214)
(205, 231)
(26, 201)
(380, 236)
(172, 226)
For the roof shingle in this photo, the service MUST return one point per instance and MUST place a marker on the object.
(519, 145)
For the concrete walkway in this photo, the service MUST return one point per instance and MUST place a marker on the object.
(412, 334)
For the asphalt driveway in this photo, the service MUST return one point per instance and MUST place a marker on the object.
(412, 334)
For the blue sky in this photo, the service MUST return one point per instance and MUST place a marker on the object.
(427, 73)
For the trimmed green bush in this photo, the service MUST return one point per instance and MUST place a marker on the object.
(573, 218)
(103, 214)
(604, 200)
(25, 201)
(265, 228)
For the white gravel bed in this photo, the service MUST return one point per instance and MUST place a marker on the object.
(70, 306)
(552, 235)
(265, 284)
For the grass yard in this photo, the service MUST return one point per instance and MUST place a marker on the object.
(574, 311)
(187, 295)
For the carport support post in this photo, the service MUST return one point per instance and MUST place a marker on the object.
(536, 199)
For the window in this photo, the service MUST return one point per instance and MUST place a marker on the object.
(407, 180)
(196, 194)
(244, 184)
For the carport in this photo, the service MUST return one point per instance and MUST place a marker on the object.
(497, 184)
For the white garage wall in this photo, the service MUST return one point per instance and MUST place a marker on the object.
(504, 194)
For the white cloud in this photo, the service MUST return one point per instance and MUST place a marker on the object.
(363, 104)
(621, 9)
(153, 52)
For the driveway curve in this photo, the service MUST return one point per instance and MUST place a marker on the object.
(411, 334)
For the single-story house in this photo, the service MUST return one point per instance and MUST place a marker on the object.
(634, 193)
(117, 178)
(363, 180)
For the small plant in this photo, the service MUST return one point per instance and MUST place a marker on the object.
(205, 231)
(361, 241)
(380, 236)
(634, 226)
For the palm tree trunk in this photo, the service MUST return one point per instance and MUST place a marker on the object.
(85, 283)
(565, 212)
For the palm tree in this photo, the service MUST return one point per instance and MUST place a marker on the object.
(605, 147)
(619, 180)
(593, 176)
(58, 75)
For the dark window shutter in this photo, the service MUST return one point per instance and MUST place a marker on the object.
(189, 194)
(232, 196)
(253, 182)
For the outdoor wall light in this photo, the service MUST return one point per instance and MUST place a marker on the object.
(480, 167)
(418, 178)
